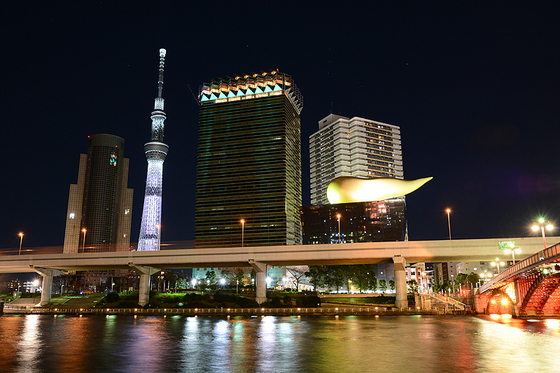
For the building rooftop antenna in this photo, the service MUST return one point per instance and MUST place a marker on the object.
(162, 53)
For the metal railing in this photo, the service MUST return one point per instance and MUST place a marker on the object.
(542, 257)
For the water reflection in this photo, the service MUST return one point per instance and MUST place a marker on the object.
(36, 343)
(29, 344)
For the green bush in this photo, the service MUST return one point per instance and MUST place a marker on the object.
(168, 298)
(112, 297)
(311, 301)
(128, 304)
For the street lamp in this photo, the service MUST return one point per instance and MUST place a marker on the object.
(20, 234)
(84, 242)
(242, 221)
(338, 219)
(513, 251)
(541, 224)
(497, 264)
(448, 221)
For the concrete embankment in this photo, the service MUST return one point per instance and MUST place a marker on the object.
(329, 311)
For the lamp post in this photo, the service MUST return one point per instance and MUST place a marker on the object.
(513, 251)
(448, 221)
(497, 264)
(242, 221)
(158, 234)
(84, 242)
(338, 219)
(20, 234)
(540, 224)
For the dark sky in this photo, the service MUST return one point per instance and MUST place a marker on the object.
(474, 87)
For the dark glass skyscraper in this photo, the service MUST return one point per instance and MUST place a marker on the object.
(100, 204)
(249, 162)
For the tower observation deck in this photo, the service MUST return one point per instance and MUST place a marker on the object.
(156, 151)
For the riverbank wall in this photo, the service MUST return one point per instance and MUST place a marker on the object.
(331, 311)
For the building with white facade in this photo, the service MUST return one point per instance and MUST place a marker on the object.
(352, 147)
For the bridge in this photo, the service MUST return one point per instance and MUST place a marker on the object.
(147, 263)
(530, 287)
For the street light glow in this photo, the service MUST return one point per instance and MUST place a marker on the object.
(448, 210)
(20, 234)
(542, 222)
(242, 221)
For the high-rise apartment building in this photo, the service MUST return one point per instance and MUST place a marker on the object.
(352, 147)
(249, 161)
(100, 204)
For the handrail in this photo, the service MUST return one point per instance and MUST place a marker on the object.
(542, 257)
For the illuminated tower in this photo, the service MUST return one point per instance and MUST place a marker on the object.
(249, 162)
(155, 151)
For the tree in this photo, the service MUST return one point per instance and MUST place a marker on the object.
(392, 285)
(361, 276)
(239, 276)
(373, 283)
(171, 279)
(316, 275)
(383, 285)
(334, 277)
(412, 286)
(182, 282)
(472, 279)
(297, 274)
(211, 278)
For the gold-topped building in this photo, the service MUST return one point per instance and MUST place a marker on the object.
(249, 161)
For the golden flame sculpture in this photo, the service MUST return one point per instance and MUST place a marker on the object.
(352, 189)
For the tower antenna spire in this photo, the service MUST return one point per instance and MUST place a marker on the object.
(156, 151)
(162, 53)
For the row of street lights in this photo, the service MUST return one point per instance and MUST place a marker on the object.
(540, 224)
(536, 226)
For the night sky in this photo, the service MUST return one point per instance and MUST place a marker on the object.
(474, 87)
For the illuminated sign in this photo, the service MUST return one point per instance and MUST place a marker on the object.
(506, 245)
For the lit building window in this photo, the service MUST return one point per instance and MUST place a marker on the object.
(72, 215)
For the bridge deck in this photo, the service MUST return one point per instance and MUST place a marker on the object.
(355, 253)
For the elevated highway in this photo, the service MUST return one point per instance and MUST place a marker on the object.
(149, 262)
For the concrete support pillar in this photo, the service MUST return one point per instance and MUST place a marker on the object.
(260, 283)
(144, 289)
(481, 302)
(401, 301)
(47, 274)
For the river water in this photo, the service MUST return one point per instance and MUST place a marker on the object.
(41, 343)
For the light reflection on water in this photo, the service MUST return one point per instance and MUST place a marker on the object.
(40, 343)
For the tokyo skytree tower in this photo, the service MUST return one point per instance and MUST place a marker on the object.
(156, 150)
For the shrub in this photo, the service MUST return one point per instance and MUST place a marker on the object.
(112, 297)
(128, 304)
(310, 301)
